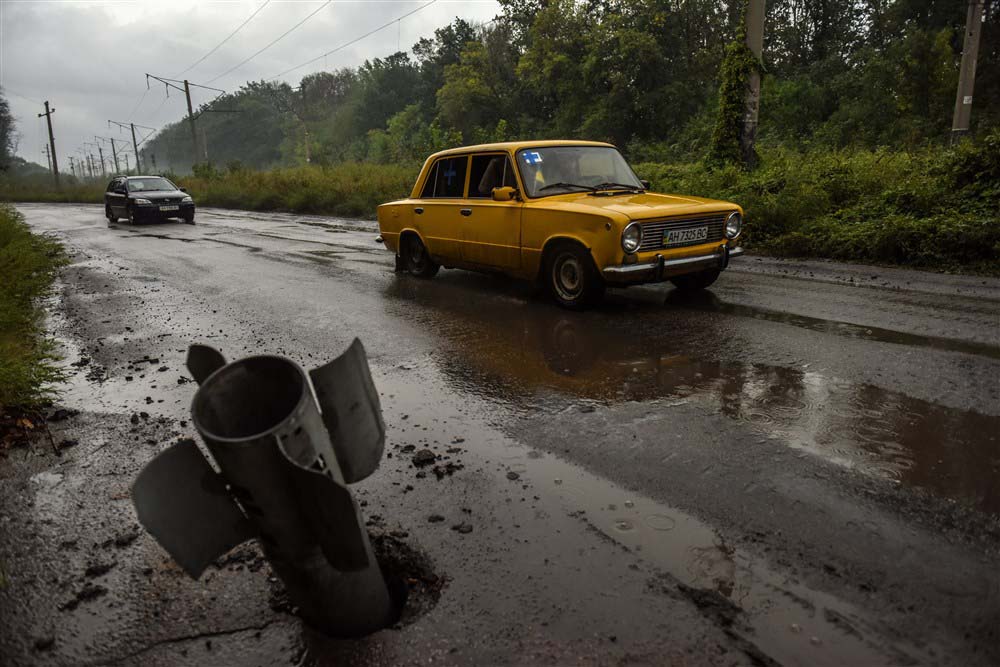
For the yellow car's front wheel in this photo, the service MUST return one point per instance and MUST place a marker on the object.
(572, 278)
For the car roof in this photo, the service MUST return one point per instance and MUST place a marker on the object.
(150, 176)
(514, 146)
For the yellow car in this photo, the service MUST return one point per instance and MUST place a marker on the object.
(571, 215)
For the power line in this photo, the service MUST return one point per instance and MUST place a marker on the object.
(15, 94)
(217, 46)
(353, 41)
(283, 35)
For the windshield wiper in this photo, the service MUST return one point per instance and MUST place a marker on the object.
(616, 186)
(566, 185)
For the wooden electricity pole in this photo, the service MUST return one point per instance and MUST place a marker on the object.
(755, 42)
(52, 141)
(194, 132)
(967, 75)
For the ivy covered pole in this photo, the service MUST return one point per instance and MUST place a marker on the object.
(754, 42)
(735, 130)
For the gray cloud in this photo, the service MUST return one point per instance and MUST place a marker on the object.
(89, 58)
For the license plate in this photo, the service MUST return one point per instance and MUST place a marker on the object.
(170, 208)
(677, 236)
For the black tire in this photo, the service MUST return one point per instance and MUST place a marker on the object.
(112, 218)
(189, 218)
(571, 277)
(692, 282)
(416, 260)
(132, 220)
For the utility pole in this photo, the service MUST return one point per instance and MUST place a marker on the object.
(194, 133)
(135, 144)
(48, 158)
(100, 152)
(755, 42)
(173, 83)
(967, 75)
(72, 169)
(114, 152)
(52, 141)
(135, 147)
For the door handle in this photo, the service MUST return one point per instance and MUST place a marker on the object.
(418, 210)
(466, 212)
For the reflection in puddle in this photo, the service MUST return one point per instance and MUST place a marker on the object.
(533, 355)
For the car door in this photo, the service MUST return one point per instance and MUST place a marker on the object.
(491, 230)
(436, 214)
(117, 197)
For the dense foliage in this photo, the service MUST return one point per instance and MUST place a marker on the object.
(644, 74)
(27, 264)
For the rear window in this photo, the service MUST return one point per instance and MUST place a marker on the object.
(446, 178)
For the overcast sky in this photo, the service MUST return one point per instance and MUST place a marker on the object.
(89, 59)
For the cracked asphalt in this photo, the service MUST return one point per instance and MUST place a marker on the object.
(799, 467)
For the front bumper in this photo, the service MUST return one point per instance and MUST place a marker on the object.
(150, 211)
(663, 269)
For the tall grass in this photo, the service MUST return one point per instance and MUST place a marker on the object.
(933, 208)
(350, 189)
(28, 264)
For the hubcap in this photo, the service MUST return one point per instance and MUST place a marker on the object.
(568, 276)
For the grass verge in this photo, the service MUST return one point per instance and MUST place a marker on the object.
(28, 264)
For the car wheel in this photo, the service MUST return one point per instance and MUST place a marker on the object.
(131, 215)
(416, 260)
(189, 218)
(692, 282)
(112, 218)
(571, 277)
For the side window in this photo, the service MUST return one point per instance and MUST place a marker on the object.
(111, 185)
(428, 190)
(447, 178)
(488, 172)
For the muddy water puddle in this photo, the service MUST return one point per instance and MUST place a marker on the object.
(784, 619)
(535, 357)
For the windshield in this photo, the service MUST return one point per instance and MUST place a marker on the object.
(149, 184)
(561, 169)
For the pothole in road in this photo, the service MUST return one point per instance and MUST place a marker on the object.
(413, 584)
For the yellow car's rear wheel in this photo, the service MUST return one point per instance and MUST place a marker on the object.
(416, 260)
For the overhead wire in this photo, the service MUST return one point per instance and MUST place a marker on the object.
(353, 41)
(230, 36)
(273, 42)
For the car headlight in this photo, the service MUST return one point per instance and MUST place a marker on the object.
(734, 225)
(140, 200)
(632, 237)
(187, 200)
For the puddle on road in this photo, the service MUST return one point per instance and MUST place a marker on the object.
(532, 355)
(709, 303)
(788, 621)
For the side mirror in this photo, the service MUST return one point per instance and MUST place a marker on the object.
(645, 183)
(505, 193)
(183, 189)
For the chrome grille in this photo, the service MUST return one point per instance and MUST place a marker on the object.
(653, 230)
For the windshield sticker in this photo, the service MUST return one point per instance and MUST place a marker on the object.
(532, 157)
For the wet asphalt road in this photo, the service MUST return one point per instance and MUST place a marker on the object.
(800, 466)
